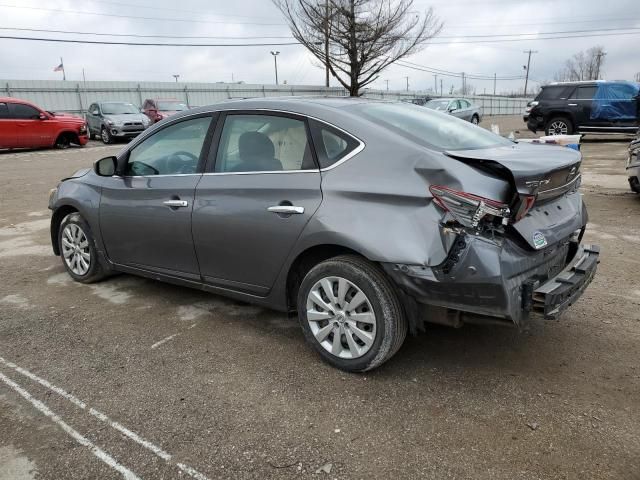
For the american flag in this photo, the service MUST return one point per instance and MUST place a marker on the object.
(59, 68)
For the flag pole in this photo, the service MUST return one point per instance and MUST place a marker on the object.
(64, 75)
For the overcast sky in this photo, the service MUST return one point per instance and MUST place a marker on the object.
(245, 18)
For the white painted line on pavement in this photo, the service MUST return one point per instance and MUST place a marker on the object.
(104, 418)
(101, 454)
(164, 340)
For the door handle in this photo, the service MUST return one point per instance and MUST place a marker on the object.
(176, 203)
(286, 209)
(573, 104)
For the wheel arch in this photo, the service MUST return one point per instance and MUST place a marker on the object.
(73, 136)
(306, 260)
(560, 113)
(56, 219)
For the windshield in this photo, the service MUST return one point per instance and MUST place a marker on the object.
(172, 106)
(437, 104)
(433, 129)
(118, 108)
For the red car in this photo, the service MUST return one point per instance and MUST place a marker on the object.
(159, 108)
(25, 125)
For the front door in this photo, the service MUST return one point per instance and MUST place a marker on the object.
(8, 134)
(32, 131)
(262, 188)
(145, 215)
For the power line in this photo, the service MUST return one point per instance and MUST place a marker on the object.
(541, 33)
(82, 12)
(99, 42)
(507, 40)
(420, 68)
(135, 35)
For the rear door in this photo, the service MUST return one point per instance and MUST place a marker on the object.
(579, 103)
(8, 130)
(145, 215)
(261, 188)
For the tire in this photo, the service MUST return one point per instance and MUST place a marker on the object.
(74, 231)
(63, 141)
(555, 126)
(105, 136)
(475, 120)
(385, 327)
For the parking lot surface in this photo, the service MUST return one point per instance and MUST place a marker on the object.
(138, 379)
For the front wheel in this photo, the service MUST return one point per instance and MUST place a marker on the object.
(559, 126)
(351, 314)
(63, 141)
(475, 120)
(78, 251)
(106, 136)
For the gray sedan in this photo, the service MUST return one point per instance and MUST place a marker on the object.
(458, 107)
(367, 218)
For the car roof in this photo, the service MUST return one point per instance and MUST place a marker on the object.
(19, 100)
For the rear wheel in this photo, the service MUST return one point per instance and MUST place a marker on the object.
(559, 126)
(106, 136)
(350, 313)
(78, 251)
(475, 120)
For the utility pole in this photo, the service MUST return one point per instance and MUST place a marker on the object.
(387, 82)
(407, 83)
(440, 87)
(464, 87)
(598, 63)
(275, 62)
(494, 84)
(176, 77)
(435, 79)
(526, 79)
(326, 43)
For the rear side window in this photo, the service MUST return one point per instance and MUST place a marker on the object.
(4, 110)
(331, 144)
(263, 143)
(24, 111)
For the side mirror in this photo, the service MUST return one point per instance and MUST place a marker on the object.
(452, 109)
(43, 116)
(106, 167)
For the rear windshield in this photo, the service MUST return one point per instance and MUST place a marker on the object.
(429, 127)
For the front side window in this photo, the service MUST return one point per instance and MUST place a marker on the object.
(584, 93)
(331, 144)
(263, 143)
(4, 110)
(174, 150)
(433, 129)
(24, 112)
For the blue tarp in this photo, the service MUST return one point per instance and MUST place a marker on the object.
(616, 101)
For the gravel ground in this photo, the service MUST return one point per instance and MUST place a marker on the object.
(234, 392)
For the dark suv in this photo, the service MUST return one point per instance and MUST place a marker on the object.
(585, 107)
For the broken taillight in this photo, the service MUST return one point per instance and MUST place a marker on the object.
(525, 205)
(469, 209)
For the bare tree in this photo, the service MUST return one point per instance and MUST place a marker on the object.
(357, 39)
(585, 65)
(638, 77)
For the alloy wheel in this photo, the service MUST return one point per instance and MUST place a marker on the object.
(558, 128)
(341, 317)
(75, 249)
(474, 120)
(106, 138)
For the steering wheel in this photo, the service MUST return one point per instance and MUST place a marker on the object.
(184, 165)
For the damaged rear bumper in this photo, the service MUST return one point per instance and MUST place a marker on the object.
(495, 280)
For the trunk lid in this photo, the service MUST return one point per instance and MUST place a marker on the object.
(543, 170)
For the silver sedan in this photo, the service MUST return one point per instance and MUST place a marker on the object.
(458, 107)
